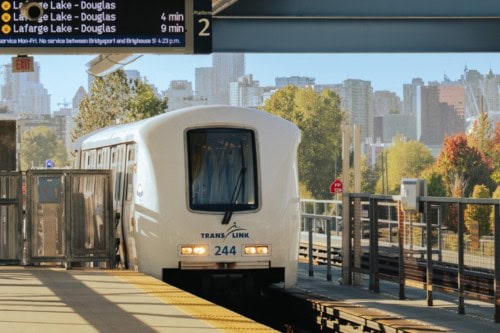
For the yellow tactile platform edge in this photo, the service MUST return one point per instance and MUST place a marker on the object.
(219, 317)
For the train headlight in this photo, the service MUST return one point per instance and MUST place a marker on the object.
(193, 250)
(251, 250)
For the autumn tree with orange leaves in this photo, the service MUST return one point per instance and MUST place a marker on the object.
(463, 166)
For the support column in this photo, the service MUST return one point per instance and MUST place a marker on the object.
(358, 225)
(346, 232)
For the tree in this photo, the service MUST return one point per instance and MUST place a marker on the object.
(481, 135)
(105, 105)
(40, 144)
(496, 195)
(495, 155)
(435, 183)
(458, 161)
(319, 118)
(113, 99)
(405, 159)
(369, 176)
(144, 103)
(478, 216)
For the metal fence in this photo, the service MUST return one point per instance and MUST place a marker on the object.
(69, 217)
(10, 218)
(448, 244)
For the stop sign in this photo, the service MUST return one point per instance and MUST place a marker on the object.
(336, 186)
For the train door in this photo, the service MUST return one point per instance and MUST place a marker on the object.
(118, 166)
(128, 218)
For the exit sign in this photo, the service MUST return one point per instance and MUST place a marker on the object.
(23, 64)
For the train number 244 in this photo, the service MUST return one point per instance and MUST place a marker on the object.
(225, 250)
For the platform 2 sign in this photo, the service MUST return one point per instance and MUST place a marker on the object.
(90, 26)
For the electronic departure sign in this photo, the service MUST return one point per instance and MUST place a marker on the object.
(100, 26)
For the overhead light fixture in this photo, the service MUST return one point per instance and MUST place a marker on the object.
(104, 64)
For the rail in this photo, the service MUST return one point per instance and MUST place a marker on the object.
(426, 249)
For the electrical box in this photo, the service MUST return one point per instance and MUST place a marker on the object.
(411, 191)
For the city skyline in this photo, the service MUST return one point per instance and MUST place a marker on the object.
(63, 75)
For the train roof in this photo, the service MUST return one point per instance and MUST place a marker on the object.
(189, 117)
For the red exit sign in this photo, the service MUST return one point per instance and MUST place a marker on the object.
(23, 64)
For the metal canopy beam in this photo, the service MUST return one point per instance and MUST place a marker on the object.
(300, 26)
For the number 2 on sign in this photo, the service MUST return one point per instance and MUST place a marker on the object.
(206, 24)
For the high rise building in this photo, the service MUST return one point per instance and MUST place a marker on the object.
(246, 92)
(298, 81)
(77, 99)
(394, 125)
(410, 96)
(23, 92)
(438, 114)
(357, 100)
(177, 92)
(386, 102)
(132, 75)
(227, 68)
(491, 100)
(203, 82)
(453, 95)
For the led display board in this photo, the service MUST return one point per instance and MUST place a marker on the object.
(100, 26)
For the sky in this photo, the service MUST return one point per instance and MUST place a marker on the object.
(62, 75)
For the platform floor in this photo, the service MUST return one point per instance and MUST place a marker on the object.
(45, 299)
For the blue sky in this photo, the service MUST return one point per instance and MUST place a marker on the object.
(63, 74)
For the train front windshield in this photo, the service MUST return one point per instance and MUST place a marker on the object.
(222, 169)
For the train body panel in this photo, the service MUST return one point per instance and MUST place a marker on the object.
(179, 208)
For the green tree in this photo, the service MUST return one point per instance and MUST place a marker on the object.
(369, 176)
(435, 183)
(113, 99)
(105, 105)
(319, 118)
(478, 215)
(40, 144)
(405, 159)
(482, 136)
(144, 103)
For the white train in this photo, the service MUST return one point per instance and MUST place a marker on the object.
(204, 194)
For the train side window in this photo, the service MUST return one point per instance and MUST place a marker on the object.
(99, 158)
(222, 169)
(131, 154)
(118, 182)
(129, 186)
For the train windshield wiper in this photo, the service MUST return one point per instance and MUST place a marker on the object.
(237, 188)
(234, 197)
